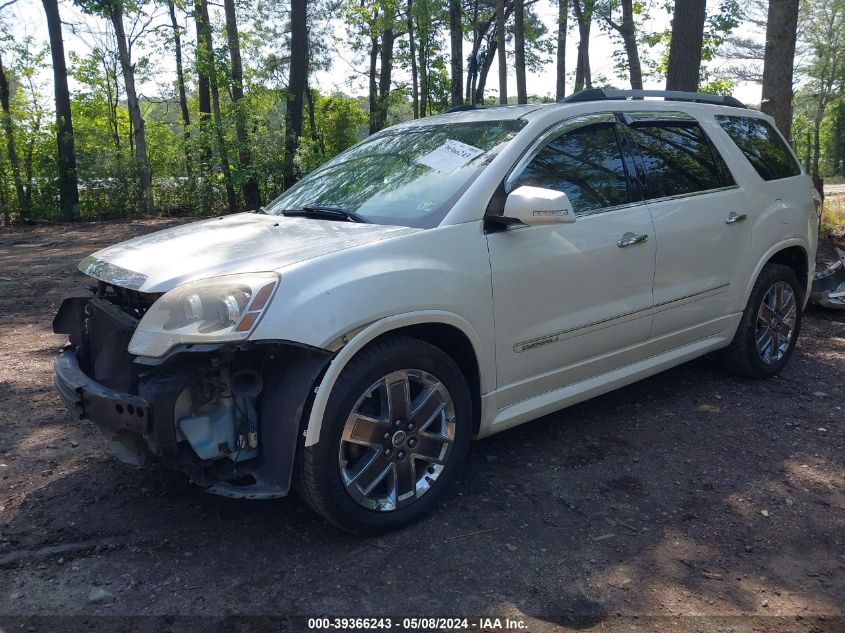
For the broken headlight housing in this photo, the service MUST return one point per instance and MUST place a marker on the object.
(214, 310)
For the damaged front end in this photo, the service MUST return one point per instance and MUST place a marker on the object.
(228, 415)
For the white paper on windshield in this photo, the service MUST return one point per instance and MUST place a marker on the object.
(450, 156)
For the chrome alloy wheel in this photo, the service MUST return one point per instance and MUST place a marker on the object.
(776, 322)
(397, 440)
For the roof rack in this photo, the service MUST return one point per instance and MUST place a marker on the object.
(602, 94)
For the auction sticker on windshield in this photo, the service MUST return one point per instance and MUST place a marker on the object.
(450, 156)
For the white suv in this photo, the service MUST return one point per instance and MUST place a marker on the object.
(444, 279)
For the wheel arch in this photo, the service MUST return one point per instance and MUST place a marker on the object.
(792, 254)
(450, 332)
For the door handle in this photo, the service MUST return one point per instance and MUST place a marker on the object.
(629, 239)
(733, 218)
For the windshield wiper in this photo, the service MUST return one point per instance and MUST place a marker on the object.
(326, 213)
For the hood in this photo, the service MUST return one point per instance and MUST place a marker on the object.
(245, 242)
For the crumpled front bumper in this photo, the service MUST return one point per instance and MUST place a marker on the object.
(94, 374)
(89, 399)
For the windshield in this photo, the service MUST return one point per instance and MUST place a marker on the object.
(409, 177)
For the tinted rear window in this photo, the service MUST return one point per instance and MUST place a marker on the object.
(762, 145)
(678, 159)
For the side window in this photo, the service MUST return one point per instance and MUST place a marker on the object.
(678, 159)
(585, 164)
(762, 145)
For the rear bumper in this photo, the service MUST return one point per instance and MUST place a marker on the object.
(89, 399)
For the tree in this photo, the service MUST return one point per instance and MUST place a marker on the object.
(501, 36)
(180, 86)
(778, 62)
(115, 11)
(251, 193)
(297, 79)
(519, 50)
(562, 20)
(203, 92)
(412, 54)
(824, 27)
(205, 60)
(583, 10)
(684, 65)
(456, 34)
(627, 30)
(11, 145)
(68, 186)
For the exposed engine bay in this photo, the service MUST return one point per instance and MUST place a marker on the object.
(197, 409)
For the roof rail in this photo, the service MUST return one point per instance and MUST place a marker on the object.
(602, 94)
(482, 106)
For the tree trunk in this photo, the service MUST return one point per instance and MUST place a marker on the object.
(778, 63)
(415, 89)
(312, 118)
(472, 66)
(68, 189)
(180, 85)
(208, 54)
(142, 161)
(685, 49)
(584, 17)
(628, 32)
(486, 64)
(11, 149)
(818, 182)
(388, 38)
(456, 32)
(297, 79)
(807, 152)
(203, 94)
(563, 25)
(422, 68)
(373, 84)
(519, 50)
(251, 193)
(503, 60)
(112, 96)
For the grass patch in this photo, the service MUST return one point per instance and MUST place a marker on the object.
(833, 213)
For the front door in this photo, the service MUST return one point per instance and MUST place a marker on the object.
(572, 301)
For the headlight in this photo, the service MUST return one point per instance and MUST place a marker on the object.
(206, 311)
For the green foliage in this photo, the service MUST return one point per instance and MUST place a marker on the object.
(104, 137)
(339, 123)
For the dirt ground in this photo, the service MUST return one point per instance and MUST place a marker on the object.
(693, 500)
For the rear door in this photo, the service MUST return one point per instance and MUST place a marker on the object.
(573, 300)
(701, 224)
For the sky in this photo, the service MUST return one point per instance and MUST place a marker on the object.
(28, 18)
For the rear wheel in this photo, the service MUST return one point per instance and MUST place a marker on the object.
(770, 324)
(396, 428)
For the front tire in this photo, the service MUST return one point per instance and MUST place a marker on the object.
(396, 429)
(768, 331)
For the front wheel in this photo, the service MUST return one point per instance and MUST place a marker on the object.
(770, 324)
(396, 429)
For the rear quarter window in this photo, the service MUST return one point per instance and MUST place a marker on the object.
(764, 148)
(678, 159)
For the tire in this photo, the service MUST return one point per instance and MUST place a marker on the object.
(742, 356)
(366, 488)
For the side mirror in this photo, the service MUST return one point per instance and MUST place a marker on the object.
(537, 205)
